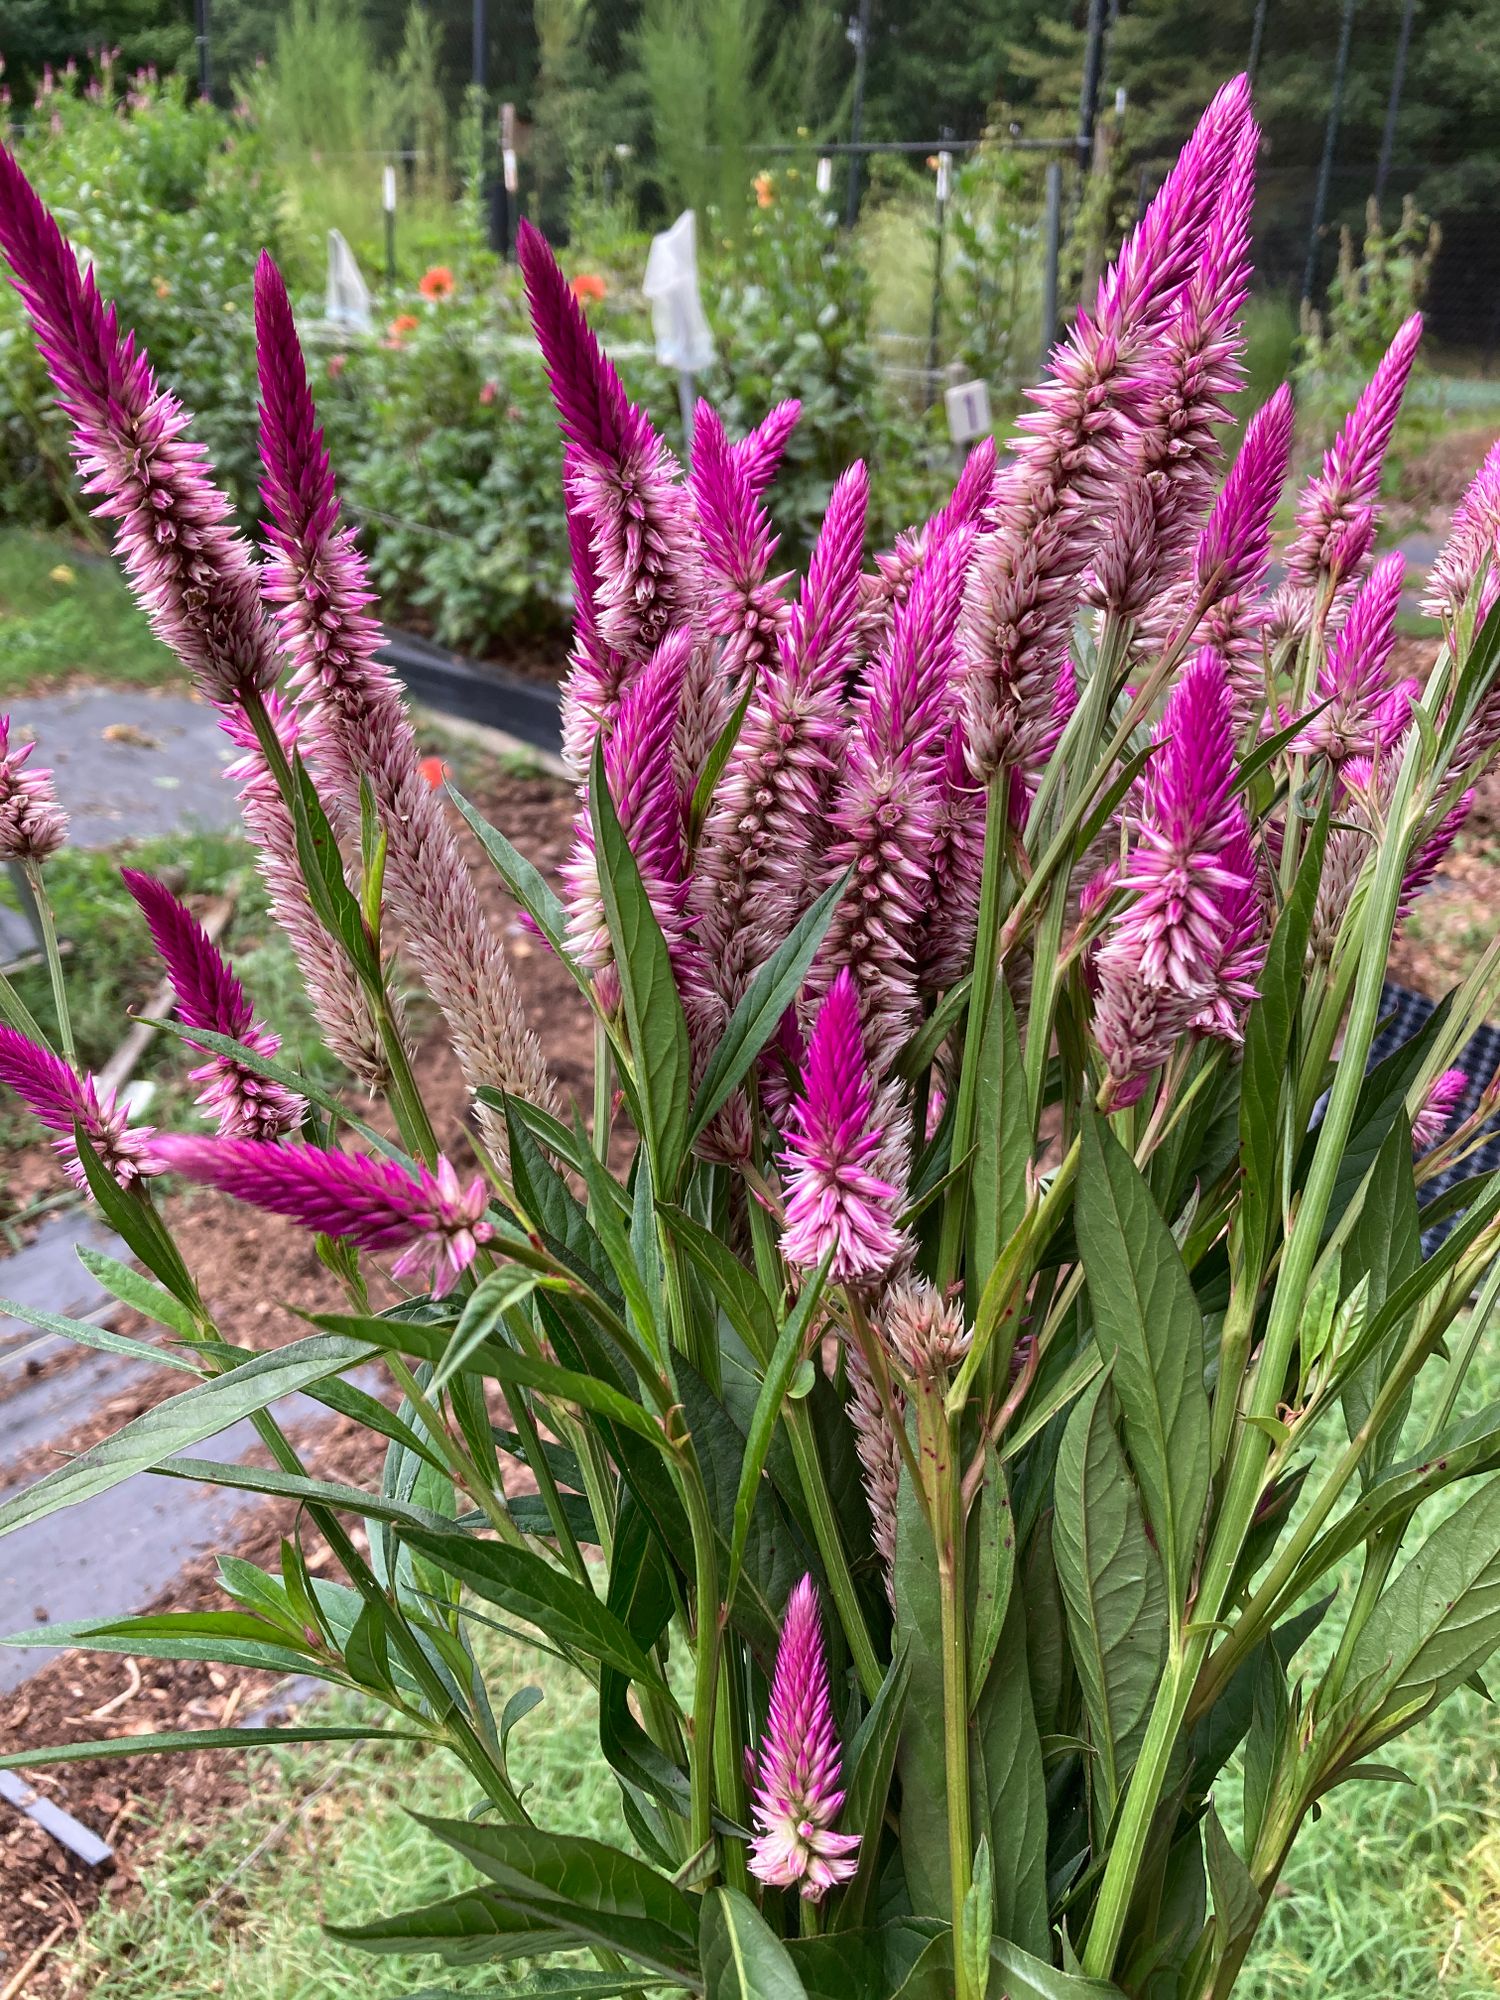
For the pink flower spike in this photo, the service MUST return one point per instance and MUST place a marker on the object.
(246, 1104)
(759, 455)
(1444, 1094)
(740, 606)
(65, 1102)
(32, 824)
(1234, 548)
(436, 1223)
(836, 1200)
(1337, 512)
(1472, 541)
(195, 577)
(799, 1783)
(1360, 716)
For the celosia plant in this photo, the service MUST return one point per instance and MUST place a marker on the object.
(939, 1444)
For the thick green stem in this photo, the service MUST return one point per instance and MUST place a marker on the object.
(939, 1450)
(705, 1664)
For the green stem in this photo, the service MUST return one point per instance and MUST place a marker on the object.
(54, 960)
(461, 1468)
(603, 1090)
(705, 1664)
(938, 1450)
(830, 1547)
(981, 991)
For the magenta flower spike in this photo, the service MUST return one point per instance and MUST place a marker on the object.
(1203, 351)
(760, 853)
(338, 1000)
(1337, 512)
(887, 805)
(1186, 945)
(246, 1104)
(1444, 1095)
(740, 607)
(67, 1103)
(621, 475)
(1075, 450)
(32, 823)
(435, 1223)
(359, 727)
(591, 689)
(1473, 540)
(759, 455)
(799, 1780)
(836, 1199)
(945, 936)
(642, 780)
(1364, 711)
(195, 577)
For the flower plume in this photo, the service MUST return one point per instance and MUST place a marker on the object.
(435, 1223)
(799, 1780)
(67, 1103)
(32, 823)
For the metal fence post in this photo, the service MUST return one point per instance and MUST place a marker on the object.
(1330, 145)
(1052, 230)
(1393, 104)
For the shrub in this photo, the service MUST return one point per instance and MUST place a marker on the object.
(940, 1393)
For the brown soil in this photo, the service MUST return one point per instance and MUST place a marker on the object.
(249, 1266)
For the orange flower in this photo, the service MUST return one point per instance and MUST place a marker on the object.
(399, 328)
(162, 289)
(765, 190)
(434, 772)
(586, 286)
(437, 283)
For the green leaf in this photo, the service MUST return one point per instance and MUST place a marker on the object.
(131, 1214)
(765, 1000)
(735, 1286)
(997, 1178)
(183, 1420)
(202, 1739)
(659, 1053)
(1008, 1786)
(992, 1572)
(321, 866)
(229, 1638)
(1268, 1042)
(793, 1338)
(1237, 1904)
(558, 1986)
(528, 1587)
(1384, 1247)
(1112, 1586)
(1265, 1744)
(977, 1921)
(920, 1759)
(526, 884)
(713, 764)
(872, 1762)
(1440, 1619)
(467, 1929)
(491, 1299)
(1014, 1975)
(133, 1288)
(584, 1890)
(1147, 1320)
(83, 1334)
(742, 1957)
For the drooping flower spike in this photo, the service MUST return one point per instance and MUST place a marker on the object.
(32, 823)
(65, 1102)
(193, 574)
(799, 1777)
(246, 1104)
(837, 1200)
(360, 727)
(435, 1223)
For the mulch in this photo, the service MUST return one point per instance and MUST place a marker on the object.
(251, 1267)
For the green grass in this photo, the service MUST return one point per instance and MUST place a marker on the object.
(64, 614)
(233, 1910)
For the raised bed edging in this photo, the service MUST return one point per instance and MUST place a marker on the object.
(455, 686)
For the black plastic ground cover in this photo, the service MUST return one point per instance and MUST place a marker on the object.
(1404, 1014)
(452, 685)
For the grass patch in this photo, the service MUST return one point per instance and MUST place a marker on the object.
(64, 615)
(235, 1909)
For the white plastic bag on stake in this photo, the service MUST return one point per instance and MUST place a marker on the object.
(683, 339)
(348, 299)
